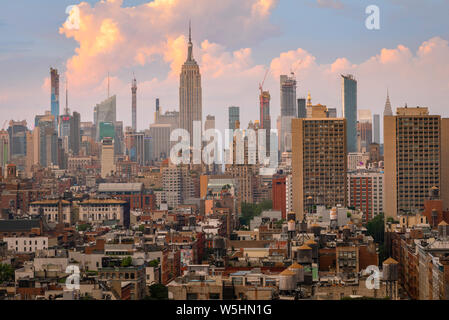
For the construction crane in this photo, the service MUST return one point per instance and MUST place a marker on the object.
(295, 67)
(264, 78)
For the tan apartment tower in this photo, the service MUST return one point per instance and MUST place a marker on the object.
(319, 161)
(190, 93)
(107, 157)
(416, 154)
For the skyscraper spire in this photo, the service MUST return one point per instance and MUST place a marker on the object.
(190, 31)
(190, 54)
(134, 103)
(388, 111)
(309, 100)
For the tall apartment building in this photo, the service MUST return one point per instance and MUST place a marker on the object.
(319, 162)
(172, 185)
(365, 192)
(376, 128)
(107, 157)
(265, 118)
(279, 194)
(4, 148)
(289, 193)
(54, 79)
(365, 129)
(288, 110)
(349, 107)
(302, 111)
(17, 138)
(233, 116)
(416, 151)
(48, 140)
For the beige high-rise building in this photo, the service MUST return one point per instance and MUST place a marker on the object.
(416, 154)
(107, 157)
(190, 93)
(319, 161)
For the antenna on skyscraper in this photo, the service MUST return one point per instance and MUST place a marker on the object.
(66, 97)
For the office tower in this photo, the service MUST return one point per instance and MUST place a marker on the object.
(160, 132)
(364, 129)
(365, 192)
(210, 123)
(69, 132)
(319, 162)
(160, 140)
(376, 128)
(134, 104)
(48, 140)
(119, 138)
(233, 116)
(331, 112)
(265, 119)
(17, 138)
(302, 111)
(106, 130)
(88, 129)
(54, 79)
(349, 107)
(148, 147)
(107, 157)
(415, 153)
(105, 112)
(4, 149)
(135, 146)
(388, 111)
(190, 93)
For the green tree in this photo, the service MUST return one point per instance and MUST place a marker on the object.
(158, 292)
(153, 263)
(126, 262)
(251, 210)
(6, 272)
(376, 228)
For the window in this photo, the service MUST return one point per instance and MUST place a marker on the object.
(214, 296)
(192, 296)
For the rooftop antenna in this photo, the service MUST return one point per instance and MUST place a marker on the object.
(66, 97)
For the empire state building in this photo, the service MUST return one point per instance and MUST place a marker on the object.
(190, 93)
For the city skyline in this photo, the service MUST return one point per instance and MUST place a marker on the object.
(222, 59)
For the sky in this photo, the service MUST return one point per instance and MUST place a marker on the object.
(235, 43)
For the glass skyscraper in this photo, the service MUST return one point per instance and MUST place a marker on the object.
(54, 76)
(349, 107)
(234, 115)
